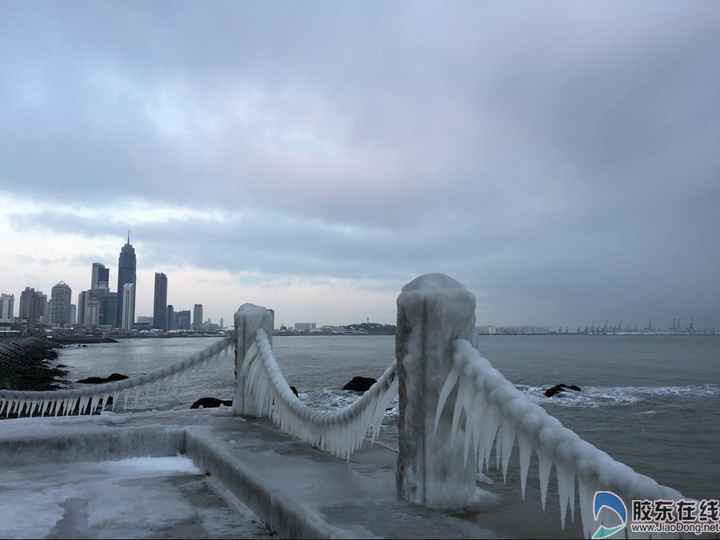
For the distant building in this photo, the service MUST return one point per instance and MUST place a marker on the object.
(33, 305)
(73, 314)
(144, 319)
(91, 316)
(171, 324)
(222, 323)
(100, 278)
(128, 306)
(182, 320)
(49, 315)
(26, 304)
(7, 307)
(108, 307)
(82, 300)
(305, 326)
(97, 307)
(160, 302)
(61, 299)
(198, 317)
(127, 264)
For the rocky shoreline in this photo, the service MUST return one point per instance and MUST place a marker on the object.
(27, 364)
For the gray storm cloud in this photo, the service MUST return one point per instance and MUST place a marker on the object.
(561, 159)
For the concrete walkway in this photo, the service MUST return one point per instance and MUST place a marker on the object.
(297, 490)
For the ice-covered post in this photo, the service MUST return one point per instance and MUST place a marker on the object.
(247, 321)
(433, 310)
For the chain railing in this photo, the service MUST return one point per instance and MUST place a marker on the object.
(339, 432)
(98, 397)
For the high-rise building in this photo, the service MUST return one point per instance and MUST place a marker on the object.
(182, 320)
(26, 304)
(7, 307)
(171, 323)
(108, 307)
(127, 265)
(103, 308)
(197, 317)
(50, 313)
(82, 301)
(100, 278)
(73, 314)
(92, 310)
(61, 298)
(160, 304)
(128, 306)
(41, 306)
(33, 305)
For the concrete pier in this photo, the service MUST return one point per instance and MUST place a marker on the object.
(297, 490)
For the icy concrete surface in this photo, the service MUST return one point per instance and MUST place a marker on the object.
(283, 480)
(159, 497)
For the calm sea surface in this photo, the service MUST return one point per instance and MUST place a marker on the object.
(652, 402)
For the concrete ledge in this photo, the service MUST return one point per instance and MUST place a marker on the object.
(284, 515)
(93, 445)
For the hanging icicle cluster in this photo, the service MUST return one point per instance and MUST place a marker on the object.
(497, 414)
(98, 398)
(340, 432)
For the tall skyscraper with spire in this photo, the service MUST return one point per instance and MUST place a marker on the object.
(127, 266)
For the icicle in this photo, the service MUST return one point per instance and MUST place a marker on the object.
(460, 399)
(525, 451)
(586, 511)
(544, 466)
(566, 490)
(447, 387)
(508, 441)
(490, 428)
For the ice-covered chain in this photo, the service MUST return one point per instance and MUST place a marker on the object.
(11, 399)
(340, 432)
(494, 410)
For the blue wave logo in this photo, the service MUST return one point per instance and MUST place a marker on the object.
(614, 504)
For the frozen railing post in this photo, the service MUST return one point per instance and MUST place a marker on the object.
(247, 321)
(433, 311)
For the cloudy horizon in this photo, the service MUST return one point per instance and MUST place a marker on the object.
(559, 159)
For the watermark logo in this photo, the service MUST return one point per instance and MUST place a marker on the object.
(611, 502)
(682, 516)
(655, 516)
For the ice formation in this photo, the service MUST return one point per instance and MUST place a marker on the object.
(95, 398)
(497, 414)
(338, 432)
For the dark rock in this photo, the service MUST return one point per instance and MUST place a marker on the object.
(360, 384)
(209, 402)
(294, 391)
(102, 380)
(558, 388)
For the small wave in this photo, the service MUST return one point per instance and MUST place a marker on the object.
(331, 399)
(591, 396)
(605, 396)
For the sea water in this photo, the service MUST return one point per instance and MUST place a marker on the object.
(652, 402)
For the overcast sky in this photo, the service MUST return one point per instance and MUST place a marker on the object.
(562, 160)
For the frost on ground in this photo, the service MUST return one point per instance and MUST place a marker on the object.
(131, 498)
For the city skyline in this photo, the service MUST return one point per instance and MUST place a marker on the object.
(556, 159)
(160, 300)
(98, 305)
